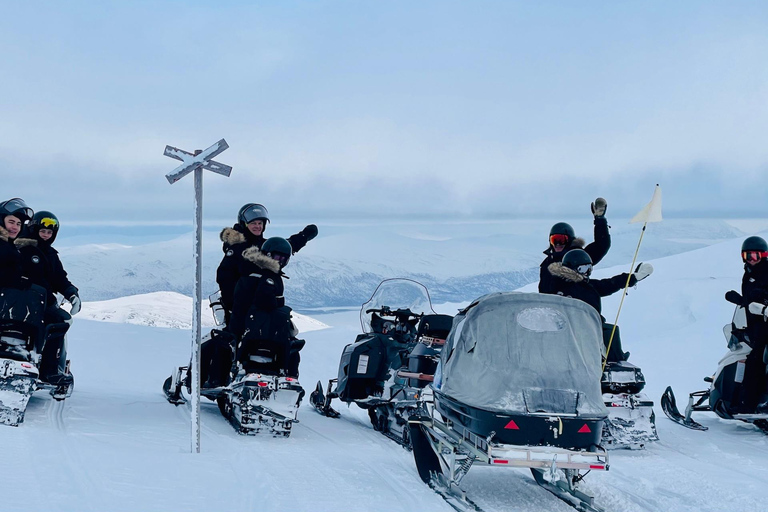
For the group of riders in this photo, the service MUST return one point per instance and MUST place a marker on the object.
(250, 278)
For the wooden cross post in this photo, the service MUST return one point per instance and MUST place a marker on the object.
(196, 162)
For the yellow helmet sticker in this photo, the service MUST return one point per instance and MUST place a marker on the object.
(49, 222)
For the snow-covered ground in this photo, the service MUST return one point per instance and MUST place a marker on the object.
(116, 444)
(165, 309)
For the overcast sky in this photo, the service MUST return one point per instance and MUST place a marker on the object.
(352, 108)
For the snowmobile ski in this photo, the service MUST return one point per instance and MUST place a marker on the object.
(669, 406)
(172, 387)
(322, 401)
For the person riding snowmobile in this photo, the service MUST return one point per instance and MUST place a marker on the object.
(259, 315)
(754, 288)
(571, 278)
(13, 214)
(248, 232)
(41, 264)
(563, 239)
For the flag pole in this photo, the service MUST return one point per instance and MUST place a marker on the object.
(650, 213)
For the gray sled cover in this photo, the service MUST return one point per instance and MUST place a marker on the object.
(526, 353)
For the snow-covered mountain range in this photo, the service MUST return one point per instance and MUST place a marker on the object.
(457, 261)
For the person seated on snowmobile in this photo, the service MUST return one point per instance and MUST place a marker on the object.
(754, 288)
(13, 214)
(563, 239)
(260, 319)
(248, 232)
(571, 278)
(41, 264)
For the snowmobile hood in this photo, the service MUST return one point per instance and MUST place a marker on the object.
(526, 353)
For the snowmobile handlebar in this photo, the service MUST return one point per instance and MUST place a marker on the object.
(403, 314)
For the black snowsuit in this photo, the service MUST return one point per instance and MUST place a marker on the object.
(41, 265)
(260, 319)
(569, 283)
(10, 262)
(235, 241)
(596, 250)
(754, 288)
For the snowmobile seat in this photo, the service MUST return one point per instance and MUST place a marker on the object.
(21, 322)
(437, 326)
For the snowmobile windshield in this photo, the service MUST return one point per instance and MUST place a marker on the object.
(394, 294)
(526, 353)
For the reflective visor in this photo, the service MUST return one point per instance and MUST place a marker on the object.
(753, 255)
(584, 270)
(18, 208)
(558, 239)
(282, 259)
(255, 212)
(49, 223)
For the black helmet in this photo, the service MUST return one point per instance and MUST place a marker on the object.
(754, 249)
(561, 234)
(16, 207)
(278, 249)
(578, 260)
(44, 220)
(754, 243)
(562, 228)
(252, 211)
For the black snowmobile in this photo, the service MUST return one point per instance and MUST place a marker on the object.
(22, 337)
(388, 365)
(631, 421)
(725, 386)
(248, 380)
(517, 386)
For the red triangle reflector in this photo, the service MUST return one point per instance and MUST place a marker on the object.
(512, 425)
(584, 429)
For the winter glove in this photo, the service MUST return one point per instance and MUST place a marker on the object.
(759, 309)
(734, 297)
(309, 232)
(75, 301)
(599, 207)
(642, 271)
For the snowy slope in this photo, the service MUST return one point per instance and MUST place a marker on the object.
(117, 445)
(165, 309)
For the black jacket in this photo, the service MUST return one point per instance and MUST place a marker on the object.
(570, 283)
(10, 262)
(235, 241)
(596, 250)
(41, 264)
(754, 288)
(259, 290)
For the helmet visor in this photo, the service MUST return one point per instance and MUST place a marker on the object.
(754, 256)
(585, 269)
(48, 223)
(18, 208)
(256, 212)
(279, 257)
(559, 239)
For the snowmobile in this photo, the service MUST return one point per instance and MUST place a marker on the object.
(254, 391)
(631, 421)
(22, 337)
(517, 386)
(388, 365)
(725, 386)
